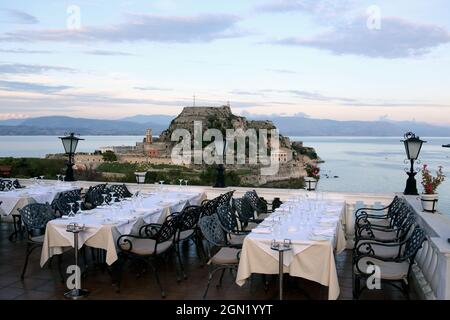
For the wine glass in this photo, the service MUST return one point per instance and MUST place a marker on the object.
(104, 195)
(79, 207)
(113, 196)
(161, 183)
(186, 182)
(63, 178)
(58, 178)
(181, 181)
(71, 213)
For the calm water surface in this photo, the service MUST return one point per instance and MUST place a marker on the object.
(362, 164)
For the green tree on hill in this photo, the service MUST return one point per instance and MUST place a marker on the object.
(109, 156)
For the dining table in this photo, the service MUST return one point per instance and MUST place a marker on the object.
(103, 225)
(12, 200)
(314, 229)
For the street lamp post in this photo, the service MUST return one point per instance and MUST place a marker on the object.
(70, 143)
(413, 145)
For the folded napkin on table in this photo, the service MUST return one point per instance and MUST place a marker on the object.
(262, 230)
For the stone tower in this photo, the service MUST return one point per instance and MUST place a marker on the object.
(148, 136)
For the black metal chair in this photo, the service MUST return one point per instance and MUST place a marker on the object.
(94, 196)
(121, 191)
(61, 204)
(35, 217)
(209, 207)
(392, 270)
(260, 205)
(17, 185)
(245, 213)
(229, 222)
(188, 231)
(6, 185)
(403, 219)
(153, 241)
(378, 216)
(221, 255)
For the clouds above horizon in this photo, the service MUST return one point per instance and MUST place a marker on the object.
(19, 86)
(25, 51)
(20, 68)
(107, 53)
(397, 38)
(328, 8)
(16, 17)
(140, 27)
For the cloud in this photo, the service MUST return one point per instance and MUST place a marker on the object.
(30, 87)
(328, 8)
(18, 68)
(108, 53)
(245, 93)
(141, 27)
(397, 38)
(24, 51)
(150, 88)
(285, 71)
(17, 17)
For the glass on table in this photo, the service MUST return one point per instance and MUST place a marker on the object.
(79, 211)
(104, 195)
(71, 213)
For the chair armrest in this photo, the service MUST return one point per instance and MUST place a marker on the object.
(149, 229)
(127, 241)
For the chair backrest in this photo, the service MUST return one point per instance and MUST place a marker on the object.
(243, 209)
(120, 190)
(35, 217)
(227, 219)
(17, 184)
(61, 204)
(400, 216)
(94, 195)
(168, 229)
(6, 185)
(212, 230)
(414, 243)
(394, 207)
(209, 207)
(256, 203)
(189, 218)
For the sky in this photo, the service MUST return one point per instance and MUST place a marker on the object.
(343, 60)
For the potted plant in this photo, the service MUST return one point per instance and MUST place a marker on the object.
(312, 176)
(429, 197)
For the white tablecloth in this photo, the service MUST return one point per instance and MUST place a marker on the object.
(316, 231)
(16, 199)
(105, 225)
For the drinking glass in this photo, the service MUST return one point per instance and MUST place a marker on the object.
(79, 207)
(71, 213)
(104, 195)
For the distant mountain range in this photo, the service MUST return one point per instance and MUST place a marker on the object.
(288, 125)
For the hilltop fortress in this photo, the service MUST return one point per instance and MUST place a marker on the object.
(158, 150)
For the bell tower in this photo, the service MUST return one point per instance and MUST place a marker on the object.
(148, 136)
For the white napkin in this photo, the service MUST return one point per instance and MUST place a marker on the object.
(262, 230)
